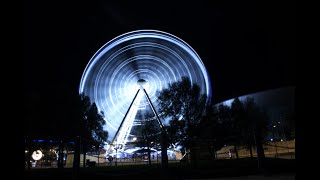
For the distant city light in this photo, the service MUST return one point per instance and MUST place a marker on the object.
(42, 140)
(38, 140)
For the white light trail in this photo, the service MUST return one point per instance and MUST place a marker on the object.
(160, 58)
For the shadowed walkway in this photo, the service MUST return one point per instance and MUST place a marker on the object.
(256, 177)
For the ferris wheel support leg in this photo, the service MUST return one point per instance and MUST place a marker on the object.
(123, 120)
(153, 109)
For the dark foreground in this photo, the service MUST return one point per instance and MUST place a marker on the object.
(219, 169)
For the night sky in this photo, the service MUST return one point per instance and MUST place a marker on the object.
(245, 46)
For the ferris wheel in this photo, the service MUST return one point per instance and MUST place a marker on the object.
(125, 75)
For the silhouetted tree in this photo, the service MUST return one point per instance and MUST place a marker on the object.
(230, 125)
(183, 102)
(240, 128)
(212, 130)
(288, 125)
(257, 119)
(81, 105)
(91, 133)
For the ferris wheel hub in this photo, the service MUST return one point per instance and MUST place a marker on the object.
(142, 83)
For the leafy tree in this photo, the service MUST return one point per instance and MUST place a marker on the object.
(257, 118)
(240, 126)
(212, 130)
(230, 125)
(91, 133)
(81, 106)
(246, 123)
(183, 102)
(288, 125)
(249, 125)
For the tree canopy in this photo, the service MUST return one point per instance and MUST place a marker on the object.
(91, 134)
(184, 104)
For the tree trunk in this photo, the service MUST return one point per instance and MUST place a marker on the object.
(76, 159)
(84, 156)
(260, 154)
(236, 151)
(98, 155)
(164, 146)
(149, 156)
(260, 150)
(250, 148)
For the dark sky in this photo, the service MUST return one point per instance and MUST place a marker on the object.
(245, 46)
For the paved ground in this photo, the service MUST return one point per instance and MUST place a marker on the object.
(275, 169)
(278, 177)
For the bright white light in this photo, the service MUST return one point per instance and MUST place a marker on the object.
(36, 155)
(274, 126)
(134, 139)
(271, 139)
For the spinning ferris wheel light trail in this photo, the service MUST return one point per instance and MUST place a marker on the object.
(125, 75)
